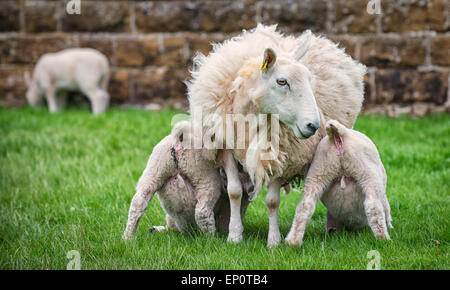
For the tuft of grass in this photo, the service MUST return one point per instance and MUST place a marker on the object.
(67, 179)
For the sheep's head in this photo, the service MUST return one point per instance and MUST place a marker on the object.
(287, 91)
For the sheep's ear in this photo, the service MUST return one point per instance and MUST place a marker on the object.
(269, 60)
(304, 46)
(27, 78)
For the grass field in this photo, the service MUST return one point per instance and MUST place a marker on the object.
(66, 181)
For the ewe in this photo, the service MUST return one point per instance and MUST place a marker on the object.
(349, 178)
(306, 80)
(80, 69)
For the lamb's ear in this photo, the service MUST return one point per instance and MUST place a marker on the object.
(269, 59)
(304, 46)
(27, 78)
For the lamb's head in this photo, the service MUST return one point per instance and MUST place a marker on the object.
(32, 94)
(288, 91)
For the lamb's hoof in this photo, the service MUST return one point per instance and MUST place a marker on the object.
(252, 195)
(383, 237)
(293, 241)
(127, 237)
(331, 231)
(210, 233)
(208, 229)
(156, 229)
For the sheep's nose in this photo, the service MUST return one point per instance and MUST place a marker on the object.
(312, 127)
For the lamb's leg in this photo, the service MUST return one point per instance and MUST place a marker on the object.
(52, 101)
(387, 212)
(207, 197)
(272, 204)
(234, 188)
(146, 189)
(333, 224)
(170, 223)
(159, 168)
(312, 192)
(61, 100)
(374, 211)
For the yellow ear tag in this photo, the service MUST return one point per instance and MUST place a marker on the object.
(263, 67)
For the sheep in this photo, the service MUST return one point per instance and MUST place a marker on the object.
(80, 69)
(190, 188)
(348, 176)
(305, 80)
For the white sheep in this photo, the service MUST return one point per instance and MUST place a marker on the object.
(306, 80)
(79, 69)
(190, 188)
(348, 176)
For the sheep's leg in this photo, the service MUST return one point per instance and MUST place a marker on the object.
(312, 192)
(374, 211)
(333, 224)
(272, 204)
(234, 188)
(207, 197)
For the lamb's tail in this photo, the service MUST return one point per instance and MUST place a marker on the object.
(181, 130)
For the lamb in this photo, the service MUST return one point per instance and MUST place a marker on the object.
(190, 188)
(305, 80)
(80, 69)
(348, 176)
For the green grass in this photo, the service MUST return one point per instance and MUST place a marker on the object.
(66, 181)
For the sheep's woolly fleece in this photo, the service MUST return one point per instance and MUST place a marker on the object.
(223, 83)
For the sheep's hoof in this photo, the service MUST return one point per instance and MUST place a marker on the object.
(234, 238)
(272, 243)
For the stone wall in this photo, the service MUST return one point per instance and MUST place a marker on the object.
(150, 44)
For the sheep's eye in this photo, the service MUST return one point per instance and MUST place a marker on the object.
(282, 82)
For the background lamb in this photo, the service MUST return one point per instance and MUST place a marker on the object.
(349, 178)
(80, 69)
